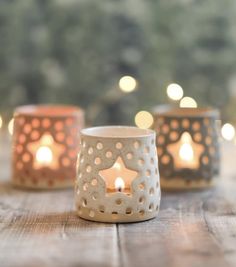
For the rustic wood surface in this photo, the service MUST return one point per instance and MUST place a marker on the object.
(196, 229)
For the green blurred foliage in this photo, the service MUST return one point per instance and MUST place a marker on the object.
(75, 51)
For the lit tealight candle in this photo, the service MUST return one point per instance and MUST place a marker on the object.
(119, 184)
(187, 146)
(46, 144)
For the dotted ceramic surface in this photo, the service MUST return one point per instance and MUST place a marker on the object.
(45, 146)
(188, 135)
(107, 155)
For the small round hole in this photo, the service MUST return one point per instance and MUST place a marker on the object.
(148, 173)
(141, 213)
(141, 186)
(59, 126)
(60, 137)
(174, 124)
(46, 123)
(26, 157)
(151, 191)
(151, 207)
(88, 169)
(141, 200)
(102, 209)
(108, 154)
(136, 144)
(85, 186)
(118, 201)
(90, 151)
(129, 156)
(128, 211)
(35, 123)
(95, 196)
(147, 149)
(99, 146)
(94, 182)
(141, 161)
(185, 123)
(119, 145)
(84, 202)
(97, 161)
(91, 213)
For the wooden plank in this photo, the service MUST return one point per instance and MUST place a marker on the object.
(193, 228)
(39, 228)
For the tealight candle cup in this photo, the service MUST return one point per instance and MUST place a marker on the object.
(187, 146)
(45, 146)
(118, 177)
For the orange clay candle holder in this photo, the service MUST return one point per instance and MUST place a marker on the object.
(45, 146)
(118, 177)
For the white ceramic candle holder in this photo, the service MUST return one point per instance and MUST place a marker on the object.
(118, 177)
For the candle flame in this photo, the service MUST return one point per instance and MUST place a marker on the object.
(44, 155)
(119, 184)
(186, 152)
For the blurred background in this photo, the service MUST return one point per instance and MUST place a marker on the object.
(117, 57)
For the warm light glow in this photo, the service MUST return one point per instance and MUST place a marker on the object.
(228, 131)
(127, 84)
(175, 91)
(117, 166)
(119, 184)
(143, 119)
(188, 102)
(11, 126)
(1, 122)
(44, 155)
(186, 152)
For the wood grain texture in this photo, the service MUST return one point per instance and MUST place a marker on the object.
(40, 229)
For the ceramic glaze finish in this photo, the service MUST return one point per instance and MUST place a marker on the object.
(100, 149)
(45, 146)
(170, 125)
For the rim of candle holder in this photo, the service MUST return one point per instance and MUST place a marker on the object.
(48, 110)
(116, 132)
(178, 112)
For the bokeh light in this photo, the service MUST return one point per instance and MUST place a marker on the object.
(1, 121)
(228, 132)
(188, 102)
(10, 126)
(127, 84)
(144, 119)
(175, 91)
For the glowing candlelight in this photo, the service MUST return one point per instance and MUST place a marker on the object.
(186, 152)
(44, 155)
(119, 184)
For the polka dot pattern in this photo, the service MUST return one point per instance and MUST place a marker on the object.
(138, 154)
(203, 130)
(64, 131)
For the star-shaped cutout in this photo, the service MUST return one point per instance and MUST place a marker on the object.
(46, 152)
(186, 153)
(118, 178)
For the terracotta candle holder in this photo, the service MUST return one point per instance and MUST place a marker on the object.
(46, 145)
(188, 147)
(118, 178)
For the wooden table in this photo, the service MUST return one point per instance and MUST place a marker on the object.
(194, 229)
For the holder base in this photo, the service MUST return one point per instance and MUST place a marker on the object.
(92, 215)
(42, 184)
(178, 184)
